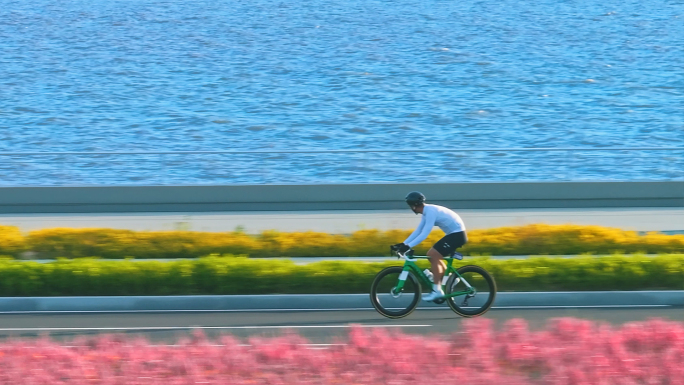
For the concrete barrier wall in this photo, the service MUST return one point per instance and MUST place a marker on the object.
(127, 199)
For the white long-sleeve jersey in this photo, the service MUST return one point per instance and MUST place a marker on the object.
(434, 215)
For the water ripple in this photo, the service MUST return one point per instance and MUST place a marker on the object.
(199, 75)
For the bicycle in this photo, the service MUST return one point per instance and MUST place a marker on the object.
(396, 291)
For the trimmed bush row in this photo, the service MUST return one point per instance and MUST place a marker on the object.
(566, 351)
(536, 239)
(240, 275)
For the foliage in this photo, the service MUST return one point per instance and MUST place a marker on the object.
(567, 351)
(536, 239)
(542, 239)
(240, 275)
(12, 242)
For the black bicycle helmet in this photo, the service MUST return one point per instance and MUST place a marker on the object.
(414, 198)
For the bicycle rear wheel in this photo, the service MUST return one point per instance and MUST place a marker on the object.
(482, 293)
(387, 301)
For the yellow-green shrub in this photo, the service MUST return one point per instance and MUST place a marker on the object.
(12, 242)
(568, 239)
(536, 239)
(240, 275)
(111, 243)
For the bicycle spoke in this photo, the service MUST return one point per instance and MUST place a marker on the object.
(391, 302)
(479, 289)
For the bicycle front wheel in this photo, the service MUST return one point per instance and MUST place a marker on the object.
(479, 291)
(389, 301)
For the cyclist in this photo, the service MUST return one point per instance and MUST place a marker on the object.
(449, 222)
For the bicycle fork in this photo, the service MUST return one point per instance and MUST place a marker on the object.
(402, 280)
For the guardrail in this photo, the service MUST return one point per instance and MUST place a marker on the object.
(340, 166)
(365, 196)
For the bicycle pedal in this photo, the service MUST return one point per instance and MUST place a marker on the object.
(439, 301)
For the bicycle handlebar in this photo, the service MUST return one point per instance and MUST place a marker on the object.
(406, 257)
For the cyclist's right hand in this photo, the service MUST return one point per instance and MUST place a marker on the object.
(400, 248)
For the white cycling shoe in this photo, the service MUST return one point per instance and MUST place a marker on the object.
(433, 296)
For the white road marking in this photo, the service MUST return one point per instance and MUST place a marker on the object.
(177, 311)
(307, 309)
(579, 306)
(212, 327)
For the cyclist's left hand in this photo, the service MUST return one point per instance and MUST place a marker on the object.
(400, 248)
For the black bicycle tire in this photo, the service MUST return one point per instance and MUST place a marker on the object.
(490, 301)
(376, 303)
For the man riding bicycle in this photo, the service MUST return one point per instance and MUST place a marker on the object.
(445, 219)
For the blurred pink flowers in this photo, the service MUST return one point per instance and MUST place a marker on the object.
(568, 351)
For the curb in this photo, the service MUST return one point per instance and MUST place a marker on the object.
(324, 301)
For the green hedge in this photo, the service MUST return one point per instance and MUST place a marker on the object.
(536, 239)
(240, 275)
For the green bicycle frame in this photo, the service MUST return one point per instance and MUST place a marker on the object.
(410, 266)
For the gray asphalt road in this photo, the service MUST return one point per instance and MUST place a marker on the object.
(341, 221)
(317, 326)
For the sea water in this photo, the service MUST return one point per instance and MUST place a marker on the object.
(154, 76)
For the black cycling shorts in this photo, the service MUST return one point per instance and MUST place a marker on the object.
(448, 245)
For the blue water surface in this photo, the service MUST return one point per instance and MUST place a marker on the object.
(151, 75)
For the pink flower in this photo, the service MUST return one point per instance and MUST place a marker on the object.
(568, 351)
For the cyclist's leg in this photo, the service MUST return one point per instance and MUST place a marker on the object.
(437, 266)
(445, 247)
(437, 274)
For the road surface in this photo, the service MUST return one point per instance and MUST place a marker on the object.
(319, 327)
